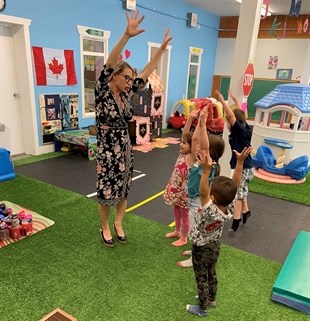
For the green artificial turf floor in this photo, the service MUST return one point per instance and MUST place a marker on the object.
(67, 266)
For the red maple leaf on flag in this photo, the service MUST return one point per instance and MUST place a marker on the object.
(55, 67)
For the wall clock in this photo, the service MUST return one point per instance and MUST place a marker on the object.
(2, 5)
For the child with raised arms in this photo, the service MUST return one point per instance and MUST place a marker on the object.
(217, 206)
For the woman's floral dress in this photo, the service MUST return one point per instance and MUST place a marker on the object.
(114, 155)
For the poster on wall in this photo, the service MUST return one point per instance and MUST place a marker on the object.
(273, 62)
(57, 112)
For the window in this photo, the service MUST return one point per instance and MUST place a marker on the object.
(94, 51)
(193, 72)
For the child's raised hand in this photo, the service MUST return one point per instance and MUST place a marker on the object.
(194, 113)
(230, 93)
(167, 39)
(133, 23)
(244, 154)
(205, 160)
(203, 117)
(219, 96)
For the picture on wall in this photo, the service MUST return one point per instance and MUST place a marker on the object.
(284, 74)
(58, 112)
(273, 62)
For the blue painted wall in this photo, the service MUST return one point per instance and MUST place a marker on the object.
(54, 25)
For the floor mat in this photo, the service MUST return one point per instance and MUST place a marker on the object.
(156, 143)
(292, 285)
(39, 222)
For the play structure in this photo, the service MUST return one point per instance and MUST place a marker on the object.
(282, 126)
(6, 165)
(76, 139)
(292, 286)
(182, 109)
(148, 108)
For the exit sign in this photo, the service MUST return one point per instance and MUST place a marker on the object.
(94, 32)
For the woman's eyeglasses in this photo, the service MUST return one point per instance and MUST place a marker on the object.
(127, 78)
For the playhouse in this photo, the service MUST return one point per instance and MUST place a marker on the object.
(148, 108)
(282, 128)
(284, 114)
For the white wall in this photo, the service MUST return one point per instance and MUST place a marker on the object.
(292, 53)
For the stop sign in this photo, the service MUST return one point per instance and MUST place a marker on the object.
(248, 80)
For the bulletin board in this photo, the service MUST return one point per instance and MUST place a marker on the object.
(261, 87)
(58, 112)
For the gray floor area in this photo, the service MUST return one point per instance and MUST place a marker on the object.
(269, 233)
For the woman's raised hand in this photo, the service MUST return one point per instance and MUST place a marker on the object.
(133, 23)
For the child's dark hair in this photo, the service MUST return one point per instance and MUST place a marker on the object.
(223, 189)
(240, 116)
(217, 146)
(188, 138)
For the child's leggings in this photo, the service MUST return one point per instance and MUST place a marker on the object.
(181, 219)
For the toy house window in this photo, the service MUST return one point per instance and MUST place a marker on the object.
(94, 49)
(194, 65)
(261, 117)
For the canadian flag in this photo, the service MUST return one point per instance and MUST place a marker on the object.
(53, 67)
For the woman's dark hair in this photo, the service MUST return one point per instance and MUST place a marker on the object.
(217, 146)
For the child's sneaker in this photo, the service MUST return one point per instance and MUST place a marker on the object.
(196, 309)
(210, 303)
(235, 225)
(245, 216)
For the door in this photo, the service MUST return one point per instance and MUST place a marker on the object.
(11, 136)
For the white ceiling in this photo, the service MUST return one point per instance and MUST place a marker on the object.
(232, 7)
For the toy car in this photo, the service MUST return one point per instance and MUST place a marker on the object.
(180, 111)
(183, 108)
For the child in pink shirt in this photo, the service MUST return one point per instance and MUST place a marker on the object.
(176, 192)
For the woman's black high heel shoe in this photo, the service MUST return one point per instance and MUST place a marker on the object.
(108, 243)
(121, 239)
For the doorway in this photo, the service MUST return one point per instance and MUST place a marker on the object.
(18, 127)
(162, 70)
(11, 135)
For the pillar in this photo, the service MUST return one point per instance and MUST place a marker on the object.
(245, 47)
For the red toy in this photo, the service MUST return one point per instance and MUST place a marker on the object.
(183, 108)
